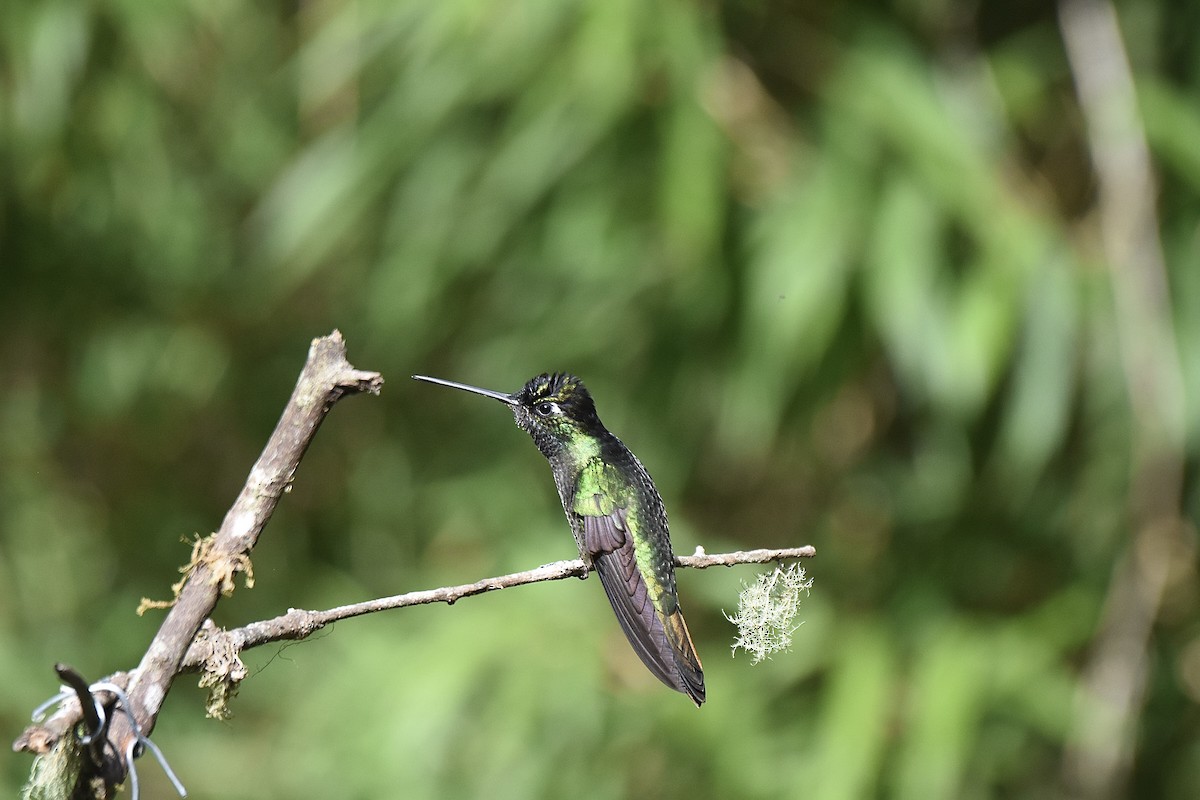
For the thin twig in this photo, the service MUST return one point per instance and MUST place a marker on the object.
(702, 560)
(299, 624)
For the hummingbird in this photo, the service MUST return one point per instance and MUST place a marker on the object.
(616, 516)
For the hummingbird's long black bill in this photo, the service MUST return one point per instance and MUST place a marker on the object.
(501, 396)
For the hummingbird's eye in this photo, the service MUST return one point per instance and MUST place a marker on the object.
(546, 409)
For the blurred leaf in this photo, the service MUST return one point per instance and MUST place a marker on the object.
(946, 697)
(856, 716)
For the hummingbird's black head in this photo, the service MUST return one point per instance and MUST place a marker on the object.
(557, 410)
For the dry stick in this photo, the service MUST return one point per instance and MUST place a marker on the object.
(326, 378)
(299, 624)
(1113, 687)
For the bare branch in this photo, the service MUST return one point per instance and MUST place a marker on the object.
(702, 560)
(299, 624)
(327, 377)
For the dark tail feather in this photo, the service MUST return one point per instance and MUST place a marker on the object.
(665, 648)
(687, 662)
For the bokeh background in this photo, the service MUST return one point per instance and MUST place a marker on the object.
(869, 276)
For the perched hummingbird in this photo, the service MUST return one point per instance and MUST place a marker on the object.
(617, 517)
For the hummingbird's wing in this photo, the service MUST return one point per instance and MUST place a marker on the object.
(657, 632)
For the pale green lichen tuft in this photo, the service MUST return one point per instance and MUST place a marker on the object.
(766, 616)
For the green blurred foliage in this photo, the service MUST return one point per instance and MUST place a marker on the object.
(831, 271)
